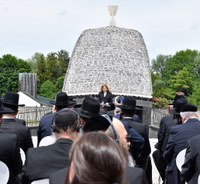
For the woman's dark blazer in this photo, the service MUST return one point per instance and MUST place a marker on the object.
(106, 99)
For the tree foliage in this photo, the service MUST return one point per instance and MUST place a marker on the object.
(48, 89)
(179, 70)
(10, 67)
(51, 67)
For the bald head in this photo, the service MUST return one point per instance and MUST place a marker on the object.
(120, 131)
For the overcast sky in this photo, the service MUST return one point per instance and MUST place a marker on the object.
(29, 26)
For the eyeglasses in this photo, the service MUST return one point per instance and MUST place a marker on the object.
(128, 138)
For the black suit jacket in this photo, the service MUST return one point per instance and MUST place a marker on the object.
(134, 175)
(22, 132)
(106, 99)
(20, 121)
(44, 128)
(191, 167)
(163, 133)
(10, 155)
(178, 140)
(143, 130)
(43, 161)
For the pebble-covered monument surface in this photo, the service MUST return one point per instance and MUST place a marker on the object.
(112, 55)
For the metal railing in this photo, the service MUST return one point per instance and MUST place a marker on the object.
(32, 115)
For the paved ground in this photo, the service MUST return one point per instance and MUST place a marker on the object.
(154, 170)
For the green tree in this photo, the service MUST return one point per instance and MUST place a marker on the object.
(174, 64)
(194, 98)
(182, 79)
(52, 67)
(172, 72)
(196, 68)
(40, 68)
(10, 67)
(63, 60)
(158, 64)
(59, 84)
(48, 89)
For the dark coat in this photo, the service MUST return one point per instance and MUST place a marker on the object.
(143, 130)
(166, 123)
(134, 176)
(22, 132)
(142, 160)
(10, 155)
(44, 128)
(178, 138)
(191, 167)
(106, 99)
(137, 141)
(163, 133)
(20, 121)
(43, 161)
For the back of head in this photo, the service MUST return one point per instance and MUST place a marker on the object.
(118, 131)
(189, 111)
(65, 119)
(96, 158)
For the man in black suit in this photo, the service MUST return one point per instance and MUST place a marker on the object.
(177, 141)
(62, 101)
(191, 167)
(142, 159)
(166, 123)
(43, 161)
(10, 125)
(118, 132)
(11, 100)
(9, 150)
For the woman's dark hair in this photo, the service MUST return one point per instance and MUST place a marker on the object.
(97, 159)
(105, 85)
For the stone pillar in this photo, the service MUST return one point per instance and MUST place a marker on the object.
(28, 83)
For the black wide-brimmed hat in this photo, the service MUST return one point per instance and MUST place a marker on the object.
(4, 110)
(129, 103)
(11, 100)
(189, 108)
(90, 109)
(62, 99)
(179, 104)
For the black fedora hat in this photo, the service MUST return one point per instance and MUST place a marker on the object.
(179, 104)
(62, 99)
(189, 108)
(96, 123)
(90, 109)
(129, 103)
(11, 100)
(4, 110)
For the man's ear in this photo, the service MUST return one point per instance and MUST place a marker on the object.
(82, 122)
(16, 112)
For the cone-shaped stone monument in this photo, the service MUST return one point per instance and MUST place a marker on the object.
(112, 55)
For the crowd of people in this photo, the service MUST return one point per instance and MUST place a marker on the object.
(95, 144)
